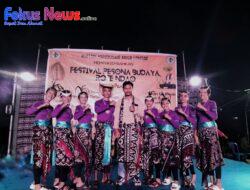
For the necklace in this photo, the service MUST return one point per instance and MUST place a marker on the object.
(184, 110)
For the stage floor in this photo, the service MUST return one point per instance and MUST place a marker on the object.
(236, 176)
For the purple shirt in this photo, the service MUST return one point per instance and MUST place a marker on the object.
(148, 118)
(83, 116)
(64, 114)
(211, 113)
(190, 112)
(41, 114)
(163, 121)
(105, 112)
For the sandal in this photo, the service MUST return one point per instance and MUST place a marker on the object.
(156, 184)
(79, 188)
(74, 181)
(120, 181)
(151, 183)
(86, 186)
(55, 185)
(32, 186)
(175, 186)
(137, 181)
(215, 187)
(167, 181)
(187, 181)
(65, 186)
(108, 181)
(208, 186)
(44, 188)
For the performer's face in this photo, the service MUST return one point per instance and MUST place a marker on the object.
(128, 90)
(50, 95)
(165, 105)
(106, 92)
(184, 98)
(149, 103)
(203, 95)
(83, 99)
(66, 99)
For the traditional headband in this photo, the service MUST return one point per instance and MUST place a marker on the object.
(149, 96)
(107, 85)
(82, 90)
(58, 87)
(165, 98)
(206, 87)
(65, 93)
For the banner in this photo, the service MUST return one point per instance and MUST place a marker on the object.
(153, 72)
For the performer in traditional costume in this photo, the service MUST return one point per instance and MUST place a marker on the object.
(42, 140)
(210, 158)
(168, 123)
(63, 140)
(128, 112)
(82, 141)
(103, 137)
(185, 138)
(151, 144)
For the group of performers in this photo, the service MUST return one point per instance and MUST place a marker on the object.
(160, 146)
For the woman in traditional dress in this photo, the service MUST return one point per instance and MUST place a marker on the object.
(185, 138)
(151, 151)
(210, 158)
(63, 140)
(168, 123)
(42, 140)
(82, 141)
(103, 137)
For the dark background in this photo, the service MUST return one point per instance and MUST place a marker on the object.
(215, 36)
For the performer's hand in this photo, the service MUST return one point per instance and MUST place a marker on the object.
(45, 104)
(150, 112)
(90, 143)
(74, 130)
(197, 142)
(225, 136)
(167, 116)
(87, 107)
(132, 108)
(93, 132)
(164, 156)
(200, 106)
(76, 153)
(65, 105)
(112, 103)
(180, 111)
(112, 149)
(117, 133)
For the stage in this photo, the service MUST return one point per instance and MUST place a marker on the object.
(235, 176)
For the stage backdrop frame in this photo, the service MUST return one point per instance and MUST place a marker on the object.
(87, 68)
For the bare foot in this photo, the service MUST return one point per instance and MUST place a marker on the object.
(79, 183)
(61, 184)
(218, 184)
(104, 178)
(158, 180)
(193, 180)
(37, 186)
(56, 181)
(75, 180)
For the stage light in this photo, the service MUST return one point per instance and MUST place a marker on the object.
(195, 81)
(26, 76)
